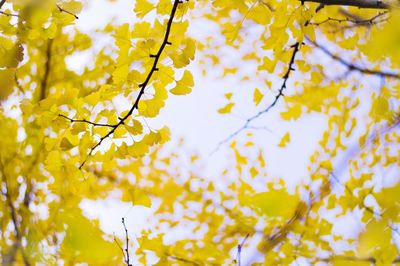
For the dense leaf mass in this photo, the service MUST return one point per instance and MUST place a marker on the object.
(66, 137)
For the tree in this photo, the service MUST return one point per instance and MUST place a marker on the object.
(63, 139)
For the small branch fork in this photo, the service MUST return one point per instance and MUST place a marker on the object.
(354, 67)
(126, 243)
(296, 49)
(2, 2)
(142, 87)
(239, 250)
(125, 251)
(361, 22)
(66, 11)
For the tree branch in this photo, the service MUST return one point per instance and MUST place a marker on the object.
(9, 258)
(127, 257)
(354, 67)
(357, 21)
(66, 11)
(2, 3)
(45, 79)
(86, 121)
(143, 85)
(296, 49)
(375, 4)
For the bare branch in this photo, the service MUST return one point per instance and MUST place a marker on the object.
(66, 11)
(9, 14)
(296, 49)
(87, 122)
(375, 4)
(2, 3)
(354, 67)
(356, 21)
(127, 258)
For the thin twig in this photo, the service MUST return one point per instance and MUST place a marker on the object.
(374, 4)
(66, 11)
(354, 67)
(120, 247)
(239, 250)
(366, 22)
(86, 121)
(9, 14)
(296, 49)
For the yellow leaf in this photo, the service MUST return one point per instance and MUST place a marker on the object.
(274, 203)
(228, 95)
(6, 82)
(136, 128)
(65, 144)
(143, 7)
(293, 112)
(11, 57)
(257, 96)
(184, 85)
(75, 7)
(376, 241)
(226, 109)
(285, 140)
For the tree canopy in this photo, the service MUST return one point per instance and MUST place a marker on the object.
(68, 136)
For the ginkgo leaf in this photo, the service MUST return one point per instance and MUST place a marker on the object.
(274, 203)
(75, 7)
(7, 82)
(257, 96)
(226, 109)
(376, 241)
(10, 58)
(293, 112)
(142, 8)
(285, 140)
(184, 85)
(136, 128)
(65, 144)
(228, 95)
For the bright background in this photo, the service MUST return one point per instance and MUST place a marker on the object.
(195, 118)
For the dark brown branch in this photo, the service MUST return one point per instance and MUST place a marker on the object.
(2, 3)
(66, 11)
(362, 22)
(127, 257)
(354, 67)
(375, 4)
(86, 121)
(45, 79)
(143, 85)
(296, 49)
(9, 14)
